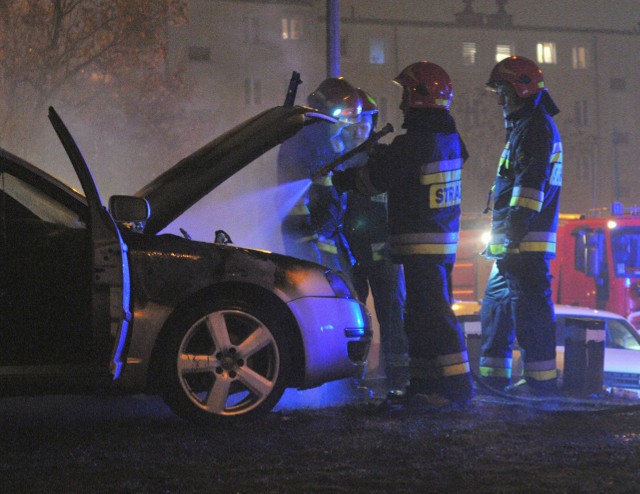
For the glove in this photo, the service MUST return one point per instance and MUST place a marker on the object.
(344, 181)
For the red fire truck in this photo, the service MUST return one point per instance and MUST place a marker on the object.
(597, 263)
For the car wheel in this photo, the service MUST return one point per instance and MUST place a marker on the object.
(224, 362)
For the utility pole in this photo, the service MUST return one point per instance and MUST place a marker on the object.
(615, 140)
(333, 38)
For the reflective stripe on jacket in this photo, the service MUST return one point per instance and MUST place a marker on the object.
(366, 227)
(421, 172)
(526, 194)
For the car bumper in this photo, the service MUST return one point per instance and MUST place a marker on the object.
(336, 334)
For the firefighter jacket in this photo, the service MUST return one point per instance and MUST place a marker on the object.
(318, 214)
(366, 227)
(365, 222)
(421, 172)
(526, 193)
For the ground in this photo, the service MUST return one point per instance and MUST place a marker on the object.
(134, 444)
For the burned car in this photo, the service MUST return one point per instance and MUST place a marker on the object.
(95, 298)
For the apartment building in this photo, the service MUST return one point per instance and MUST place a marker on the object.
(239, 56)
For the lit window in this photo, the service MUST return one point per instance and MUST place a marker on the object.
(291, 28)
(252, 91)
(579, 57)
(376, 51)
(503, 51)
(546, 52)
(469, 51)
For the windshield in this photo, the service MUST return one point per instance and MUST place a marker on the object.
(621, 335)
(625, 245)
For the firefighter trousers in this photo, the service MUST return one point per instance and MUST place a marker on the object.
(386, 281)
(437, 351)
(518, 305)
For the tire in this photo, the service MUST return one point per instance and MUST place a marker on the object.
(225, 361)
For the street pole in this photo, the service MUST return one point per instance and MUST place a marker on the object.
(615, 139)
(333, 38)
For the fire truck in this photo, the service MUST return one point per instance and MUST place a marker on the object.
(597, 263)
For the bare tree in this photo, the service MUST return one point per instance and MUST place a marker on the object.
(104, 60)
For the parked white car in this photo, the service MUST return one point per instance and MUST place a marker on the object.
(622, 343)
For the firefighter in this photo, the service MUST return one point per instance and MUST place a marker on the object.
(526, 201)
(421, 172)
(366, 231)
(313, 227)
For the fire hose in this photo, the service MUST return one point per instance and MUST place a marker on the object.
(555, 404)
(364, 147)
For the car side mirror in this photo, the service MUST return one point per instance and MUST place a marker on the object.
(129, 209)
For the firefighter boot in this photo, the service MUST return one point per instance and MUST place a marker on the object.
(397, 376)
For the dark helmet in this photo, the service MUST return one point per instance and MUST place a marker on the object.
(369, 106)
(338, 98)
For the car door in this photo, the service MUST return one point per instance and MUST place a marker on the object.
(45, 267)
(110, 283)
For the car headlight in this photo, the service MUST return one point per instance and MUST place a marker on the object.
(340, 285)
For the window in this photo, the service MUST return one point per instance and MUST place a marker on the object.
(626, 192)
(579, 57)
(625, 247)
(469, 51)
(581, 113)
(291, 28)
(585, 165)
(344, 46)
(617, 84)
(472, 111)
(503, 51)
(252, 91)
(26, 203)
(618, 137)
(619, 335)
(251, 30)
(199, 53)
(376, 51)
(546, 52)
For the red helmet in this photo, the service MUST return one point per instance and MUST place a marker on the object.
(428, 84)
(369, 104)
(338, 98)
(524, 75)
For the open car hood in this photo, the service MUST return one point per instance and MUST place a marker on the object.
(180, 187)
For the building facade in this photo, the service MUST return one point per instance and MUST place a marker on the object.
(239, 56)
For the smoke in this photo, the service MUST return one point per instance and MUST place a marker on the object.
(249, 206)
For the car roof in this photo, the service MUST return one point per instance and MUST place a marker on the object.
(572, 310)
(469, 308)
